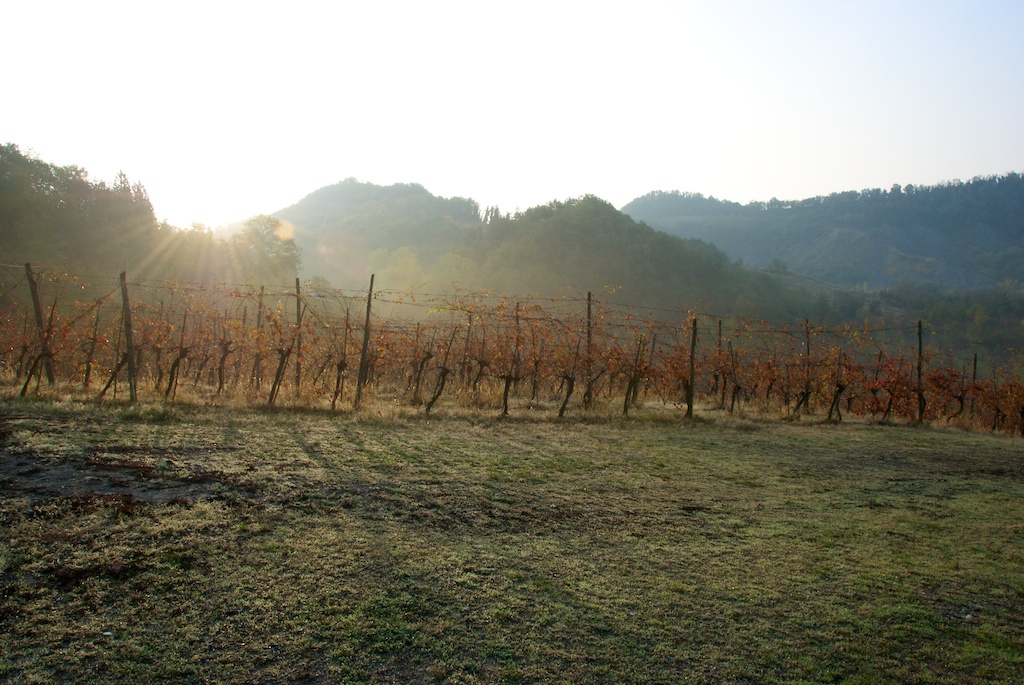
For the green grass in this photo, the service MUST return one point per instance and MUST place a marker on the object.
(354, 549)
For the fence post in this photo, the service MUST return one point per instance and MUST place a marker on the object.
(339, 380)
(43, 341)
(132, 390)
(361, 379)
(974, 383)
(920, 365)
(256, 377)
(806, 397)
(588, 369)
(693, 371)
(721, 398)
(298, 338)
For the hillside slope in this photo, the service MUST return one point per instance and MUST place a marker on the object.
(412, 239)
(350, 229)
(958, 235)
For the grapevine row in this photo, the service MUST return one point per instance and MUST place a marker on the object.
(305, 347)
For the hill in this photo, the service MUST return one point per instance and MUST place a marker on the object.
(412, 239)
(817, 259)
(956, 235)
(59, 215)
(350, 229)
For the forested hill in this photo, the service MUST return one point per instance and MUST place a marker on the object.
(958, 235)
(412, 239)
(350, 229)
(58, 218)
(59, 215)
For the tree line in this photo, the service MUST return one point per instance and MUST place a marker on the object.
(956, 234)
(57, 215)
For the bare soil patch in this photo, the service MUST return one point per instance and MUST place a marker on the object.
(36, 478)
(25, 474)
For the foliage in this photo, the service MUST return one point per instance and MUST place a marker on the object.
(266, 251)
(416, 240)
(349, 230)
(270, 346)
(58, 216)
(954, 234)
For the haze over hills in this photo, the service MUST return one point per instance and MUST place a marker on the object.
(949, 254)
(350, 229)
(957, 235)
(846, 257)
(412, 239)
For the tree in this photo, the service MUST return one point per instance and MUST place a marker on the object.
(266, 251)
(56, 214)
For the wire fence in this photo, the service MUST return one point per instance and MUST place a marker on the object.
(304, 346)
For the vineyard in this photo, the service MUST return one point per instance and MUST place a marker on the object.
(300, 346)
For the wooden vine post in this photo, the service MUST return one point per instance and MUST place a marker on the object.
(588, 369)
(298, 337)
(129, 341)
(734, 396)
(718, 375)
(361, 378)
(693, 371)
(44, 342)
(339, 379)
(256, 377)
(805, 397)
(464, 369)
(807, 366)
(974, 383)
(921, 402)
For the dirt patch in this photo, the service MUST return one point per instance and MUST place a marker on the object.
(28, 476)
(113, 473)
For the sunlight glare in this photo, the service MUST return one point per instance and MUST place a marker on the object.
(285, 230)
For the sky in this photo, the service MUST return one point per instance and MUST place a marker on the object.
(224, 110)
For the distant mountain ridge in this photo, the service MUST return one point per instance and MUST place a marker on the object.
(957, 235)
(411, 239)
(815, 259)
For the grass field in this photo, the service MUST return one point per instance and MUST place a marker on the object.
(236, 546)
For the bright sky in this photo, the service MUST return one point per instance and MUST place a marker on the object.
(225, 110)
